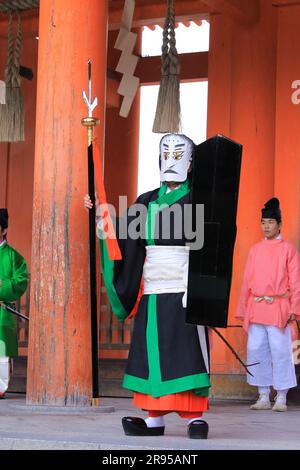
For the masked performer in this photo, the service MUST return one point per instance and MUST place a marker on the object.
(167, 367)
(13, 283)
(270, 298)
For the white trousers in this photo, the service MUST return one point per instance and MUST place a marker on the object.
(272, 348)
(4, 373)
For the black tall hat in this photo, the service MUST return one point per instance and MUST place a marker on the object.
(272, 210)
(4, 218)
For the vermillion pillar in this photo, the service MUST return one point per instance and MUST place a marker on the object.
(59, 362)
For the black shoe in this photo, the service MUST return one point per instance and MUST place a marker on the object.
(138, 427)
(198, 429)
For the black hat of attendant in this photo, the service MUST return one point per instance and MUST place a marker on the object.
(4, 218)
(272, 210)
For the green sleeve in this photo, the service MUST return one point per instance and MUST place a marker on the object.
(107, 267)
(13, 288)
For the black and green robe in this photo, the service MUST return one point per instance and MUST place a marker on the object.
(165, 355)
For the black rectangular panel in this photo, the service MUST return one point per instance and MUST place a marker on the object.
(216, 176)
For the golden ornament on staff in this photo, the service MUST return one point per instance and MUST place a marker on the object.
(90, 123)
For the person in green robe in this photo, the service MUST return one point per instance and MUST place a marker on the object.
(13, 284)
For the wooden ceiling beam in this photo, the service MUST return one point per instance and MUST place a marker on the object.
(154, 12)
(243, 11)
(147, 12)
(193, 66)
(285, 3)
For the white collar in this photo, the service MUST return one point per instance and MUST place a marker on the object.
(3, 243)
(277, 238)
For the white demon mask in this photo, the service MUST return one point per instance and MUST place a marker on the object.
(175, 157)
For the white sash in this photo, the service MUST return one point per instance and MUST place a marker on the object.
(166, 269)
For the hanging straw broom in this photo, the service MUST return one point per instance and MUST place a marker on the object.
(167, 117)
(12, 112)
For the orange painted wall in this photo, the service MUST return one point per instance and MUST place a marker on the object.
(242, 104)
(3, 146)
(122, 139)
(121, 154)
(121, 165)
(287, 156)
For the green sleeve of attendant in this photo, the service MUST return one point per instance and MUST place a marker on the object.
(12, 289)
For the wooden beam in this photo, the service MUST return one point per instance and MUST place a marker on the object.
(147, 12)
(154, 12)
(285, 3)
(243, 11)
(194, 66)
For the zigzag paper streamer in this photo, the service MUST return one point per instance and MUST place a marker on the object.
(128, 61)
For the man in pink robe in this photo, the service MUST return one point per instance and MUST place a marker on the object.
(269, 301)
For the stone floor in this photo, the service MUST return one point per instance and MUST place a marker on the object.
(232, 427)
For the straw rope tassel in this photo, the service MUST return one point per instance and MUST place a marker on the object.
(167, 117)
(19, 116)
(12, 113)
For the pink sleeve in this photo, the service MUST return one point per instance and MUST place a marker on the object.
(294, 280)
(242, 305)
